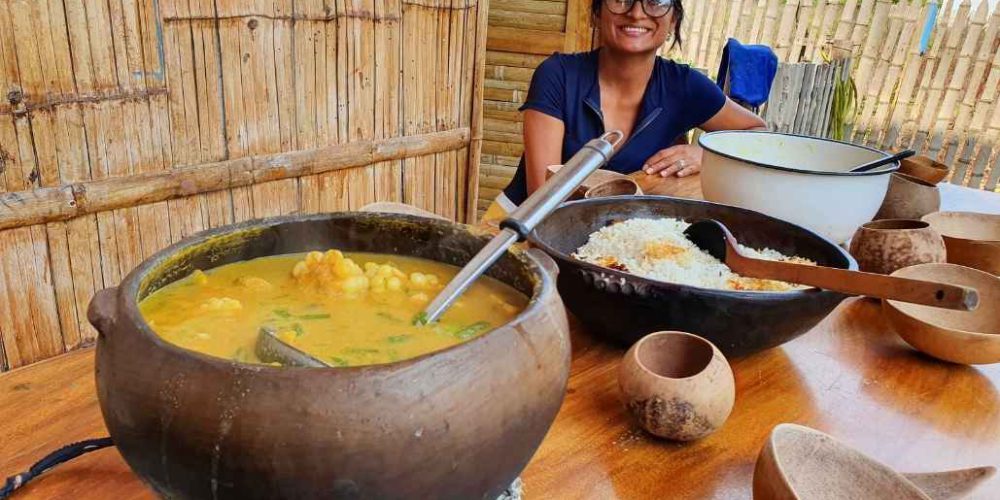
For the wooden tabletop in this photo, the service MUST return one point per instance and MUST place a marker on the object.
(850, 377)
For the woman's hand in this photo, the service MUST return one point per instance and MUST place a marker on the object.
(682, 160)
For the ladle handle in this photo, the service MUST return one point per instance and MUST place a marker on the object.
(524, 219)
(927, 293)
(542, 202)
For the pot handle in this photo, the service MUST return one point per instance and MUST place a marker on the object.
(544, 260)
(103, 310)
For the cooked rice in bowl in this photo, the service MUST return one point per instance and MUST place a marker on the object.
(657, 249)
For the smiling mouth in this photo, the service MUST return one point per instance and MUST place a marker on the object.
(635, 30)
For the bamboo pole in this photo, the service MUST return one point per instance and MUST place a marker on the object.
(25, 208)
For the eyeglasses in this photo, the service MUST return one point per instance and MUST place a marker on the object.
(652, 8)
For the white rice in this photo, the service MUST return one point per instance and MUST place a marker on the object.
(658, 249)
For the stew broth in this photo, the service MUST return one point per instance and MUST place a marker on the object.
(326, 304)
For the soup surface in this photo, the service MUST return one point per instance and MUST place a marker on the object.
(347, 310)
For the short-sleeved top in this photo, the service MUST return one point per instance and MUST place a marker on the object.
(564, 86)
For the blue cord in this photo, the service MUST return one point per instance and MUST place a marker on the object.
(64, 454)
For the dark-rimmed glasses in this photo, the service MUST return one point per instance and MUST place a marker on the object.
(652, 8)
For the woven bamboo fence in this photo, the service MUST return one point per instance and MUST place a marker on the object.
(942, 101)
(802, 97)
(130, 125)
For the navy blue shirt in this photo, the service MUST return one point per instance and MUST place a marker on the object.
(677, 99)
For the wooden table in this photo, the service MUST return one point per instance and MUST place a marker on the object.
(850, 376)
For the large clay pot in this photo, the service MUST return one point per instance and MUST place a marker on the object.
(884, 246)
(677, 385)
(459, 423)
(909, 198)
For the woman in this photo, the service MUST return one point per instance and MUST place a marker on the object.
(623, 85)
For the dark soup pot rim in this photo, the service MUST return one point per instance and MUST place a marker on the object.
(126, 303)
(535, 240)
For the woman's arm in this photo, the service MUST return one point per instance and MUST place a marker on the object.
(685, 159)
(543, 139)
(732, 116)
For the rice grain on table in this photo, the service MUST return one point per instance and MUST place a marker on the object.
(658, 249)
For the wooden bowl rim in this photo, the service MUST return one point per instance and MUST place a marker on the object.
(638, 346)
(958, 214)
(871, 225)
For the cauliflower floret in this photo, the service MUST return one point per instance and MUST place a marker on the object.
(199, 278)
(221, 304)
(254, 284)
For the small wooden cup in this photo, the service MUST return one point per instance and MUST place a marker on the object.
(884, 246)
(924, 168)
(677, 385)
(613, 187)
(909, 198)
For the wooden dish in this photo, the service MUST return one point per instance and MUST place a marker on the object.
(597, 179)
(909, 198)
(971, 337)
(613, 187)
(677, 385)
(972, 239)
(924, 168)
(884, 246)
(797, 462)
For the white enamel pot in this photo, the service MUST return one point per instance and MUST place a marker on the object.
(803, 180)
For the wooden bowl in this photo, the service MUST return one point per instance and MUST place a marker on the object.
(909, 198)
(797, 462)
(967, 337)
(924, 168)
(599, 178)
(457, 423)
(677, 385)
(972, 239)
(613, 187)
(884, 246)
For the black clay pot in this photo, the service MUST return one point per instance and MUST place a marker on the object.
(623, 308)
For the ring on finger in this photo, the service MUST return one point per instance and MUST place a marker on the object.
(681, 164)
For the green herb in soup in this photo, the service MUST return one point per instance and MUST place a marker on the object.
(327, 305)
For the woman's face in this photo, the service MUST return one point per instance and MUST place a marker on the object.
(634, 31)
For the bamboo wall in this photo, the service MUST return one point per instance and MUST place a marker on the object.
(521, 34)
(131, 124)
(943, 102)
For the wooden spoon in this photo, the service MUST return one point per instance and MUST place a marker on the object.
(950, 484)
(800, 462)
(714, 237)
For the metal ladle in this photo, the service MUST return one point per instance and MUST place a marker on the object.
(523, 220)
(514, 228)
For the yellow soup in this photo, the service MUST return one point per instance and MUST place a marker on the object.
(345, 309)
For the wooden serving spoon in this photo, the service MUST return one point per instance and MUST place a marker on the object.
(714, 237)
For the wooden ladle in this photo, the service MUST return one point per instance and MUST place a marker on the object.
(714, 237)
(798, 462)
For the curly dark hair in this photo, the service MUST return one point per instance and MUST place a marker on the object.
(678, 8)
